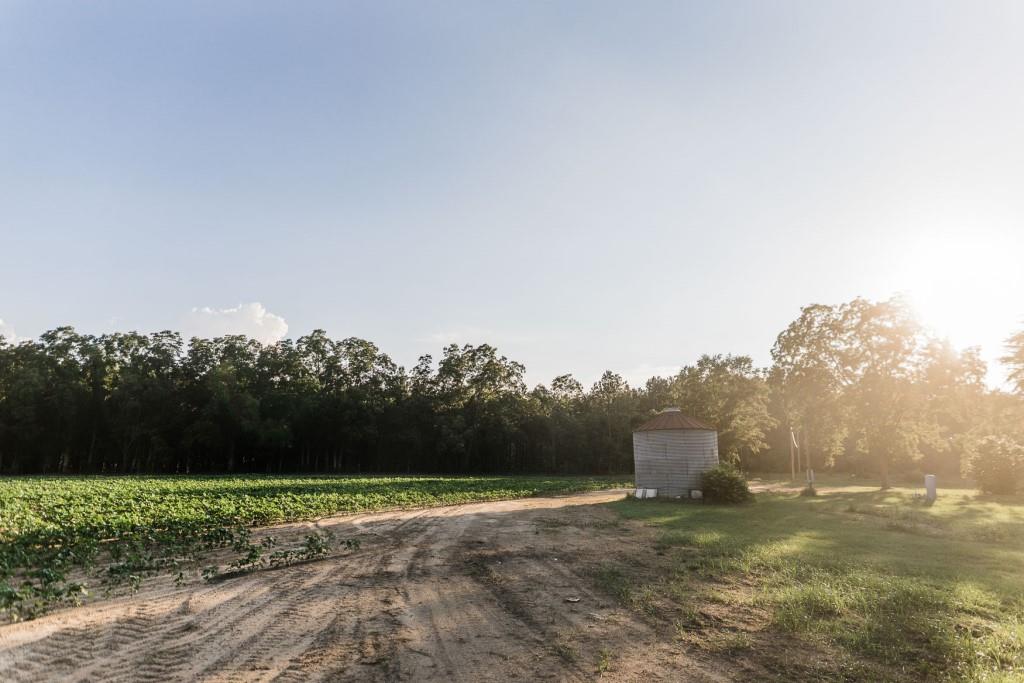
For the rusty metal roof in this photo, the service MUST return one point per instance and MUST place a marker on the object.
(671, 418)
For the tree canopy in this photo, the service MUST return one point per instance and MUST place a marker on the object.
(861, 386)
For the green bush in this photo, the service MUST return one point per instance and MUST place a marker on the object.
(998, 465)
(725, 484)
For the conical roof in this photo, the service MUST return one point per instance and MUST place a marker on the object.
(672, 418)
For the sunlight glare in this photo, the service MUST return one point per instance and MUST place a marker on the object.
(963, 288)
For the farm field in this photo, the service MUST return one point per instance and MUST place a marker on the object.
(61, 537)
(854, 584)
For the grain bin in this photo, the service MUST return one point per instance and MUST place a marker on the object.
(671, 451)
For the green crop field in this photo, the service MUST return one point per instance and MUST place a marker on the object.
(876, 585)
(62, 536)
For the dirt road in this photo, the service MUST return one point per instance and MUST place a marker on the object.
(479, 592)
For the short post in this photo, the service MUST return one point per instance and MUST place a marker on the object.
(930, 492)
(809, 490)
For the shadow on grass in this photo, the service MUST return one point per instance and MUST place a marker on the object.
(836, 569)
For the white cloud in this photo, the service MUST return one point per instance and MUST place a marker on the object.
(250, 319)
(7, 332)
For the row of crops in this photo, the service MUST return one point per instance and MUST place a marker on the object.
(61, 537)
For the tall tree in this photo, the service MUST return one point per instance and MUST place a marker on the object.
(880, 346)
(611, 408)
(730, 394)
(1014, 360)
(953, 411)
(848, 374)
(810, 378)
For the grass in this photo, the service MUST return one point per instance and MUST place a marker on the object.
(933, 592)
(133, 527)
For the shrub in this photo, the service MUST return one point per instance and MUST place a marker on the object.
(998, 465)
(725, 484)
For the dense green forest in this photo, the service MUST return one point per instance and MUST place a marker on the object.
(860, 385)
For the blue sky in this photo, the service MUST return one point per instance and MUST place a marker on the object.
(585, 185)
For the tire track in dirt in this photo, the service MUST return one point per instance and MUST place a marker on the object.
(464, 593)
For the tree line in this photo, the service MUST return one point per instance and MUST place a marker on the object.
(856, 387)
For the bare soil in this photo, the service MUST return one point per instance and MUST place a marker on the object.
(480, 592)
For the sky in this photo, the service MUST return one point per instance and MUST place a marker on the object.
(585, 185)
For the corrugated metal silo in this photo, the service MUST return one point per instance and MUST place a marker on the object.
(671, 451)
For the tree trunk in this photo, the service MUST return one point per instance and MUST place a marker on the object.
(792, 457)
(883, 467)
(807, 445)
(92, 450)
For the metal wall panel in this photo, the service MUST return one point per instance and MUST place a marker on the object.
(672, 460)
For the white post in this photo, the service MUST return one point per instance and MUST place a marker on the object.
(929, 487)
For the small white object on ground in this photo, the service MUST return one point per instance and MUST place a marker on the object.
(930, 491)
(696, 494)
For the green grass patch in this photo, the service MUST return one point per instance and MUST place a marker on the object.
(932, 592)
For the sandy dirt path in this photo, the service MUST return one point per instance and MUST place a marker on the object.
(476, 592)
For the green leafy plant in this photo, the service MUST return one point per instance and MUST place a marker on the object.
(725, 484)
(998, 465)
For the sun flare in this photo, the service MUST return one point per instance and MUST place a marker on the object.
(958, 286)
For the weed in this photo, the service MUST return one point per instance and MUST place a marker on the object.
(564, 650)
(726, 642)
(644, 599)
(689, 620)
(612, 581)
